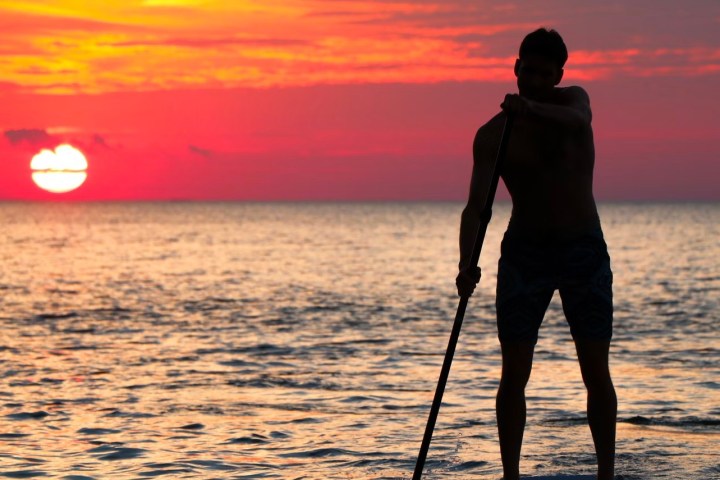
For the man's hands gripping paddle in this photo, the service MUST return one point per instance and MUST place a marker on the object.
(466, 280)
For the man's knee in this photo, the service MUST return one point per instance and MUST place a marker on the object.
(593, 358)
(517, 360)
(512, 386)
(601, 388)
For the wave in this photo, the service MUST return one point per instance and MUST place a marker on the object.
(662, 421)
(684, 422)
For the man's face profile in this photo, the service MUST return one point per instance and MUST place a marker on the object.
(536, 76)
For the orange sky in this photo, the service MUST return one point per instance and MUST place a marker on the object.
(295, 100)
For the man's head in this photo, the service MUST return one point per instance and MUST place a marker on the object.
(539, 67)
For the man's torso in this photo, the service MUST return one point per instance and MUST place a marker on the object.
(548, 171)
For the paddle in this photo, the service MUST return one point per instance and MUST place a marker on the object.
(485, 216)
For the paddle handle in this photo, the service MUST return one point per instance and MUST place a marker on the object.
(485, 217)
(486, 213)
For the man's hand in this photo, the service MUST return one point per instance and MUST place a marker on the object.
(515, 104)
(466, 280)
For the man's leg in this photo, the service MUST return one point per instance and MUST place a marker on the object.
(601, 402)
(525, 285)
(586, 293)
(510, 403)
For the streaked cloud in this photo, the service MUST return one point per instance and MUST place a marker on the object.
(70, 47)
(210, 42)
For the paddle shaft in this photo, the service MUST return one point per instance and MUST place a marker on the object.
(485, 217)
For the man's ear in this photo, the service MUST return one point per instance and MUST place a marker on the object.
(517, 67)
(559, 76)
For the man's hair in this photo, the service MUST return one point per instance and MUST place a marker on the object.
(545, 43)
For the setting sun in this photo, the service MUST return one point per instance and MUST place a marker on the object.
(59, 171)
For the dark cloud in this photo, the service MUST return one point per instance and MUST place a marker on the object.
(203, 152)
(32, 136)
(99, 140)
(37, 138)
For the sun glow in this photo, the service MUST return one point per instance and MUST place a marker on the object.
(59, 171)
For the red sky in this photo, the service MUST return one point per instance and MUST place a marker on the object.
(351, 100)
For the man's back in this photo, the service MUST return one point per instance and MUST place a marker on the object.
(548, 171)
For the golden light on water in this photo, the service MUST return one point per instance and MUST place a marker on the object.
(182, 352)
(59, 171)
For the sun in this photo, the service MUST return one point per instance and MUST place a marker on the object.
(59, 171)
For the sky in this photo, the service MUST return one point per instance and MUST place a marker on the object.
(344, 99)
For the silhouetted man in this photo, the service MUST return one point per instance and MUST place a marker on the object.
(553, 241)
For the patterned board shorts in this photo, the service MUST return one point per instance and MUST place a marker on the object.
(529, 273)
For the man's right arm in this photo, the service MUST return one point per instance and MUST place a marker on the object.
(483, 163)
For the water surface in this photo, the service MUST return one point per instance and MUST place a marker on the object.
(304, 341)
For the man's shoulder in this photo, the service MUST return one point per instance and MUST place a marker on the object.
(492, 128)
(572, 89)
(572, 94)
(488, 136)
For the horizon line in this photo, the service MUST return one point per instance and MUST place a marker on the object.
(339, 200)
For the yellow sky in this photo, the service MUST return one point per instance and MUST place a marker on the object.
(73, 46)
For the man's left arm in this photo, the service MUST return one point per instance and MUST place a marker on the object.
(572, 111)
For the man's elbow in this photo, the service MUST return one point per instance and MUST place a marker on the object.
(579, 121)
(579, 101)
(585, 119)
(471, 212)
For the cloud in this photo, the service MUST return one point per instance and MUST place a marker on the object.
(99, 140)
(26, 23)
(681, 62)
(32, 136)
(203, 152)
(205, 42)
(216, 44)
(51, 137)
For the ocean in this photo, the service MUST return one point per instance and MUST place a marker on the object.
(304, 341)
